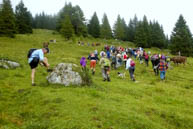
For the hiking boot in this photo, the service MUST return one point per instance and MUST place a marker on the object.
(108, 79)
(33, 84)
(49, 70)
(104, 79)
(93, 72)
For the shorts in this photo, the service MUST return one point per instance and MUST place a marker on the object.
(92, 63)
(34, 63)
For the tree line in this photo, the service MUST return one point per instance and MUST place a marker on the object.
(70, 22)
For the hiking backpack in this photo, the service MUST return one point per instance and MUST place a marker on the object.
(30, 52)
(132, 63)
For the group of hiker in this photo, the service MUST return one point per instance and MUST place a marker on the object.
(110, 57)
(114, 57)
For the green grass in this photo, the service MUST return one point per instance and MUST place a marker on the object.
(120, 104)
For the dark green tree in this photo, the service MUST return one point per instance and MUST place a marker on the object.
(44, 21)
(181, 38)
(94, 26)
(67, 29)
(76, 16)
(7, 20)
(23, 19)
(106, 31)
(125, 28)
(158, 38)
(118, 29)
(132, 28)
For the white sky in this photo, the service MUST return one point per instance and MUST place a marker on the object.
(166, 12)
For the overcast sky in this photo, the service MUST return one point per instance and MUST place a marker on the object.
(166, 12)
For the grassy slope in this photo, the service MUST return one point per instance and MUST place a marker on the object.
(120, 104)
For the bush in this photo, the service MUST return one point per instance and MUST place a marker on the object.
(86, 77)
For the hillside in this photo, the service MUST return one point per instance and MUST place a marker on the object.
(120, 104)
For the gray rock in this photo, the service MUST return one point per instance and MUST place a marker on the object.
(63, 74)
(7, 64)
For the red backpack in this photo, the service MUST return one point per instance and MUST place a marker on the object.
(132, 63)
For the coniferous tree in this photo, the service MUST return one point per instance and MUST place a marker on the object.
(7, 20)
(106, 31)
(67, 29)
(124, 26)
(132, 28)
(76, 16)
(118, 29)
(158, 38)
(94, 26)
(181, 38)
(23, 19)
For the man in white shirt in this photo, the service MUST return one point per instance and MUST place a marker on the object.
(36, 57)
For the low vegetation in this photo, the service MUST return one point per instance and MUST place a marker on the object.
(120, 104)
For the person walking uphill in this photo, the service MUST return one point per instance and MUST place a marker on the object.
(93, 59)
(163, 67)
(35, 57)
(131, 66)
(105, 67)
(83, 63)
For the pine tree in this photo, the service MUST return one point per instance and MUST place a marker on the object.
(132, 28)
(23, 19)
(67, 29)
(7, 20)
(181, 38)
(76, 16)
(118, 29)
(94, 27)
(158, 38)
(106, 31)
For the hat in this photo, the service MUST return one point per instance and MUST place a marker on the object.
(47, 49)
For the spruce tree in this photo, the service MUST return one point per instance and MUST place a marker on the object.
(76, 16)
(94, 27)
(7, 20)
(106, 31)
(67, 29)
(181, 38)
(118, 29)
(23, 19)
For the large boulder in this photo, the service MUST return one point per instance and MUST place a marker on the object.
(63, 74)
(7, 64)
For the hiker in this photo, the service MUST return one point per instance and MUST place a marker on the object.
(37, 56)
(146, 56)
(105, 67)
(125, 58)
(114, 61)
(163, 67)
(83, 63)
(93, 59)
(131, 66)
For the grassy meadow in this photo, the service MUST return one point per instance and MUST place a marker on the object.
(120, 104)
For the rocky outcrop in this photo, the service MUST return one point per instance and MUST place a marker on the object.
(7, 64)
(63, 74)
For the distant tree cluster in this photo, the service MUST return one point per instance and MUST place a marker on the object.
(12, 23)
(70, 21)
(44, 21)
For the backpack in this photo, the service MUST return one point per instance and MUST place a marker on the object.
(107, 62)
(146, 56)
(132, 63)
(30, 52)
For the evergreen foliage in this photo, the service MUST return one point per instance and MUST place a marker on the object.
(105, 31)
(181, 38)
(23, 19)
(67, 29)
(94, 26)
(44, 21)
(76, 16)
(7, 20)
(118, 29)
